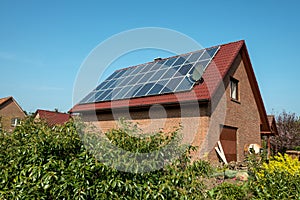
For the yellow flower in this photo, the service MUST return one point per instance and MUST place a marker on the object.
(280, 164)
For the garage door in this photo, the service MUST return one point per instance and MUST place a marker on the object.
(228, 141)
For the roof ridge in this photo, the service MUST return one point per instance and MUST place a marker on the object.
(50, 111)
(133, 66)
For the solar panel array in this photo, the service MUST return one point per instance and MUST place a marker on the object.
(164, 76)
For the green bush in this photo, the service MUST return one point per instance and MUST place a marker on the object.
(278, 179)
(297, 148)
(227, 191)
(62, 162)
(279, 185)
(40, 162)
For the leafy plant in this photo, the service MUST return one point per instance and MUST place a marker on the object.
(297, 148)
(64, 162)
(229, 191)
(42, 162)
(278, 179)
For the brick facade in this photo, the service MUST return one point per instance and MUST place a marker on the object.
(8, 111)
(242, 114)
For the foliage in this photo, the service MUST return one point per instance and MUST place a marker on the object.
(278, 179)
(227, 191)
(297, 148)
(130, 138)
(201, 168)
(254, 162)
(288, 125)
(129, 149)
(282, 163)
(40, 162)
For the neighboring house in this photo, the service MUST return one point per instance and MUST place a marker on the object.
(222, 104)
(52, 118)
(10, 114)
(266, 135)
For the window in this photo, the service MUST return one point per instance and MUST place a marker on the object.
(234, 89)
(15, 122)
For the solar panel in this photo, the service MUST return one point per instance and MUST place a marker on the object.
(168, 75)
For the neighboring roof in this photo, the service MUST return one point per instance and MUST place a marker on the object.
(5, 99)
(51, 117)
(212, 77)
(10, 98)
(272, 124)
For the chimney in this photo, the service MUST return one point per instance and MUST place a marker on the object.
(157, 59)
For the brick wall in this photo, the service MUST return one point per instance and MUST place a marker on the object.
(242, 114)
(193, 118)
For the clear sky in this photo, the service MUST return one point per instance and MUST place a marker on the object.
(43, 43)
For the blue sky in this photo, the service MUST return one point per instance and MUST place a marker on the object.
(43, 43)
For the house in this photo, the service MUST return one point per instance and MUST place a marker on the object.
(213, 93)
(266, 135)
(10, 114)
(52, 118)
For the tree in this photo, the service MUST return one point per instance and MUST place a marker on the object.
(288, 125)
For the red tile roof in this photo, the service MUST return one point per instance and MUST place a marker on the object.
(213, 75)
(52, 118)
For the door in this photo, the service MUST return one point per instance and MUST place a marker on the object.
(228, 141)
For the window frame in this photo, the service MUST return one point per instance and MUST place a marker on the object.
(15, 122)
(234, 94)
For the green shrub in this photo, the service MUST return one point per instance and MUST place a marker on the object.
(278, 179)
(229, 191)
(297, 148)
(130, 138)
(201, 168)
(40, 162)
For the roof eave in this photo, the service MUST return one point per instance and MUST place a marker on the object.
(92, 107)
(258, 98)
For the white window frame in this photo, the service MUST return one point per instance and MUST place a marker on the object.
(15, 122)
(234, 89)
